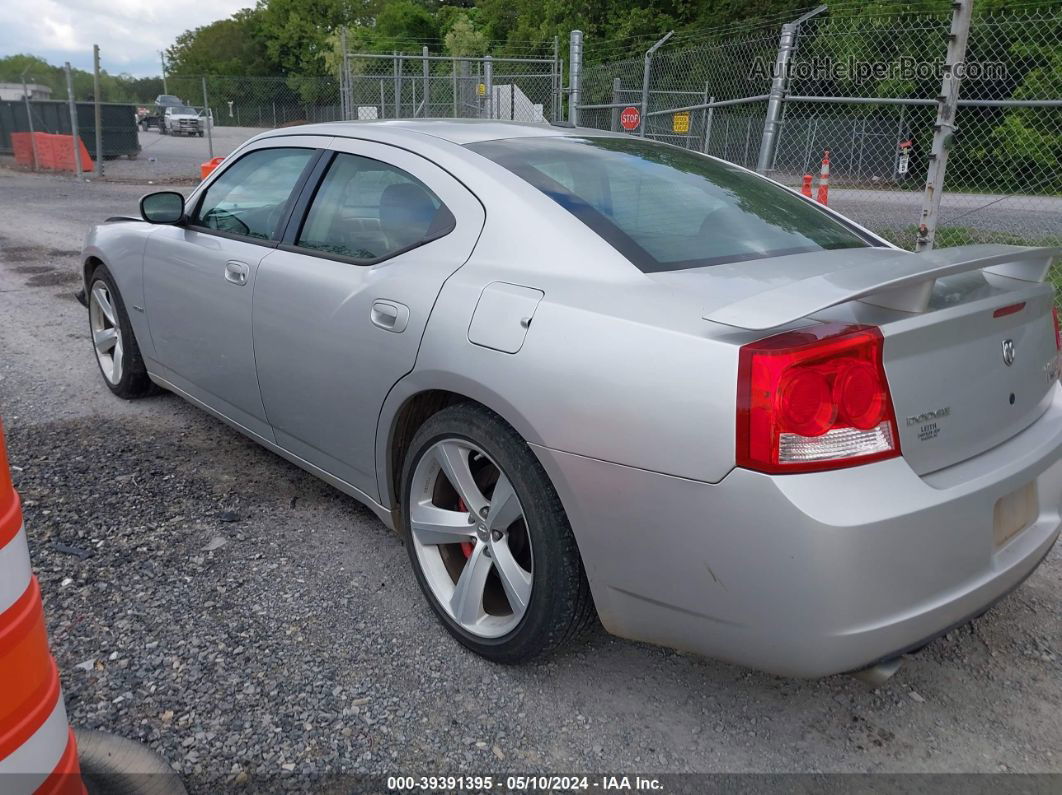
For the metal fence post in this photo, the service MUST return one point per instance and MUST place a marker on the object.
(708, 124)
(488, 78)
(29, 119)
(774, 103)
(210, 126)
(398, 84)
(779, 81)
(344, 100)
(944, 127)
(617, 86)
(646, 74)
(453, 75)
(427, 76)
(74, 136)
(99, 110)
(555, 84)
(575, 70)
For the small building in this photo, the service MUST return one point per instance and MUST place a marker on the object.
(15, 91)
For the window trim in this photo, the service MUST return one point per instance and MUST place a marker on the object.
(275, 236)
(301, 211)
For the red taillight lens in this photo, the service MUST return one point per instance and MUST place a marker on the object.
(813, 399)
(1058, 333)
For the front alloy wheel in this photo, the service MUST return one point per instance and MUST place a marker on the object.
(106, 333)
(113, 342)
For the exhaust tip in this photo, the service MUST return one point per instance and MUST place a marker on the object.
(879, 674)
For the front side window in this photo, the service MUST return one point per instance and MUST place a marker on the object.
(665, 208)
(250, 197)
(366, 210)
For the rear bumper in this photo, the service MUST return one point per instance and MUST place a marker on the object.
(811, 574)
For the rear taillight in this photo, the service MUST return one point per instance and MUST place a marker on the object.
(1058, 332)
(813, 399)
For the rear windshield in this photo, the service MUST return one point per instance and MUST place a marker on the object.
(665, 208)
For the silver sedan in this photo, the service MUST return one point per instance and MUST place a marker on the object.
(590, 376)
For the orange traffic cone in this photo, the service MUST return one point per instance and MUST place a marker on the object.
(805, 188)
(38, 753)
(824, 180)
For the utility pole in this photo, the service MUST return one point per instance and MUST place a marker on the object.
(75, 137)
(162, 58)
(99, 110)
(944, 128)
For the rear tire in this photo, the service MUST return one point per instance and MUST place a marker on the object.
(111, 333)
(515, 614)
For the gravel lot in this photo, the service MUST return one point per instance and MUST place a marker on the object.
(247, 621)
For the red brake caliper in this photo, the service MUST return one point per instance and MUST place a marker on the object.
(466, 546)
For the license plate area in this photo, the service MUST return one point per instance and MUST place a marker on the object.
(1014, 512)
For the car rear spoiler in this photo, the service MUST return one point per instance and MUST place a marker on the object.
(904, 282)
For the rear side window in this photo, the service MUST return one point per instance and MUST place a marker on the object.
(250, 197)
(367, 210)
(665, 208)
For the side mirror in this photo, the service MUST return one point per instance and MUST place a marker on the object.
(164, 207)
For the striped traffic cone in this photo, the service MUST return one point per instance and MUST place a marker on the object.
(824, 180)
(38, 753)
(805, 188)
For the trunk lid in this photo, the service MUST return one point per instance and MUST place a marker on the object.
(969, 344)
(972, 371)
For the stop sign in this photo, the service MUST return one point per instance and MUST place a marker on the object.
(630, 118)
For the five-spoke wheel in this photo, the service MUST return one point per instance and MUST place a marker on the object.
(113, 341)
(490, 544)
(106, 332)
(471, 538)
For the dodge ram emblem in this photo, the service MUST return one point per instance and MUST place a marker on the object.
(1008, 352)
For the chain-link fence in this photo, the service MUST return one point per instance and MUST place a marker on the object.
(864, 87)
(375, 86)
(262, 102)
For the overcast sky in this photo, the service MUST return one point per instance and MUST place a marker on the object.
(130, 32)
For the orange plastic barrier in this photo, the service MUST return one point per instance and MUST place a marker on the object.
(53, 151)
(37, 749)
(206, 168)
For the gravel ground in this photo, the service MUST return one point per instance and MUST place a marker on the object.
(249, 622)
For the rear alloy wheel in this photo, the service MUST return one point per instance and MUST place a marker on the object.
(473, 549)
(488, 539)
(115, 346)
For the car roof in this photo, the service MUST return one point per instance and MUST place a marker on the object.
(457, 131)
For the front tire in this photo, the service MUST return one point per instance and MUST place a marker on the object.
(117, 353)
(489, 541)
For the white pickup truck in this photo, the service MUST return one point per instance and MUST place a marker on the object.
(181, 120)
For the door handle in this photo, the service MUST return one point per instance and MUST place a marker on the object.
(389, 315)
(236, 272)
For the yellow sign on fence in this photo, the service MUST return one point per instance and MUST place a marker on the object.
(680, 122)
(481, 89)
